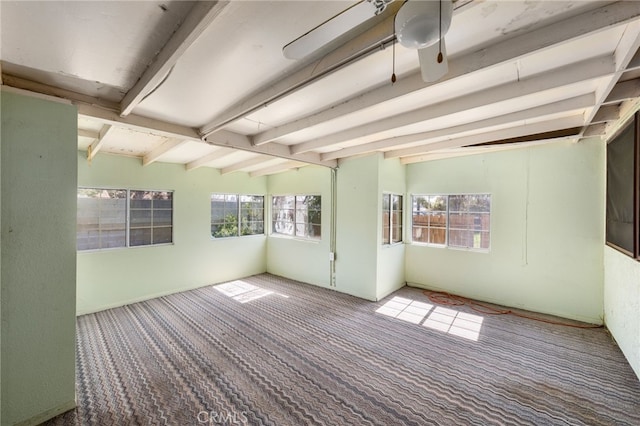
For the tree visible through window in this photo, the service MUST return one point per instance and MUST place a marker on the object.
(299, 216)
(235, 215)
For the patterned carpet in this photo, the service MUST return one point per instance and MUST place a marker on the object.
(270, 351)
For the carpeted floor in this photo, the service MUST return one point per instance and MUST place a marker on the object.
(266, 350)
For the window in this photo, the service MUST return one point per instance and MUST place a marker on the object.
(234, 215)
(469, 217)
(110, 218)
(623, 192)
(391, 218)
(430, 219)
(102, 218)
(298, 216)
(461, 221)
(150, 217)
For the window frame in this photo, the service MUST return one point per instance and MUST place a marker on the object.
(239, 217)
(462, 229)
(634, 123)
(294, 222)
(429, 214)
(447, 243)
(127, 223)
(391, 224)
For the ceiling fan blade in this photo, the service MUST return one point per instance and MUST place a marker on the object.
(329, 30)
(430, 68)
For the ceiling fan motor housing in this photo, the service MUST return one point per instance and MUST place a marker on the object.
(418, 22)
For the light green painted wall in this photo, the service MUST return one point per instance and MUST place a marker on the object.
(547, 234)
(391, 264)
(116, 277)
(363, 267)
(358, 234)
(38, 270)
(622, 303)
(299, 259)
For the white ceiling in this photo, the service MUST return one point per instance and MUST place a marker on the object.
(205, 84)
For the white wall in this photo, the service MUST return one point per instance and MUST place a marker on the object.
(108, 278)
(295, 258)
(622, 303)
(38, 144)
(547, 219)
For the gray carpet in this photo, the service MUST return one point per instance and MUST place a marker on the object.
(271, 351)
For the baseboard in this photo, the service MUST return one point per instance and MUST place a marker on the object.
(49, 414)
(146, 297)
(534, 309)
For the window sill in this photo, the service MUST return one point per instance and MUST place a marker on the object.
(419, 244)
(294, 238)
(235, 237)
(393, 244)
(440, 246)
(109, 249)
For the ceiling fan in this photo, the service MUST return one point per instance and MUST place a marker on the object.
(419, 24)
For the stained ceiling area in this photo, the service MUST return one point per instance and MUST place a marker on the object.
(206, 84)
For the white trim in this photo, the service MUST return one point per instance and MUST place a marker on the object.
(36, 95)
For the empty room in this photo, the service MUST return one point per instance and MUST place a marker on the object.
(375, 212)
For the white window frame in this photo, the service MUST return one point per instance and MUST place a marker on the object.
(239, 215)
(128, 219)
(391, 224)
(295, 222)
(446, 213)
(448, 227)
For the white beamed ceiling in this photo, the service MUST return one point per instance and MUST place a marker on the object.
(228, 99)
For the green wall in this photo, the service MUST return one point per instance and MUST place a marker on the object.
(547, 228)
(38, 269)
(358, 235)
(363, 267)
(622, 303)
(390, 265)
(109, 278)
(300, 259)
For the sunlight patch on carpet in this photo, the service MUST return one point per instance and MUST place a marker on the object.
(447, 320)
(242, 291)
(405, 309)
(453, 322)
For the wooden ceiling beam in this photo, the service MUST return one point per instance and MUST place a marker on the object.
(207, 159)
(278, 168)
(606, 113)
(569, 74)
(169, 145)
(511, 132)
(202, 14)
(362, 45)
(623, 92)
(244, 164)
(567, 105)
(227, 139)
(97, 145)
(91, 134)
(523, 45)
